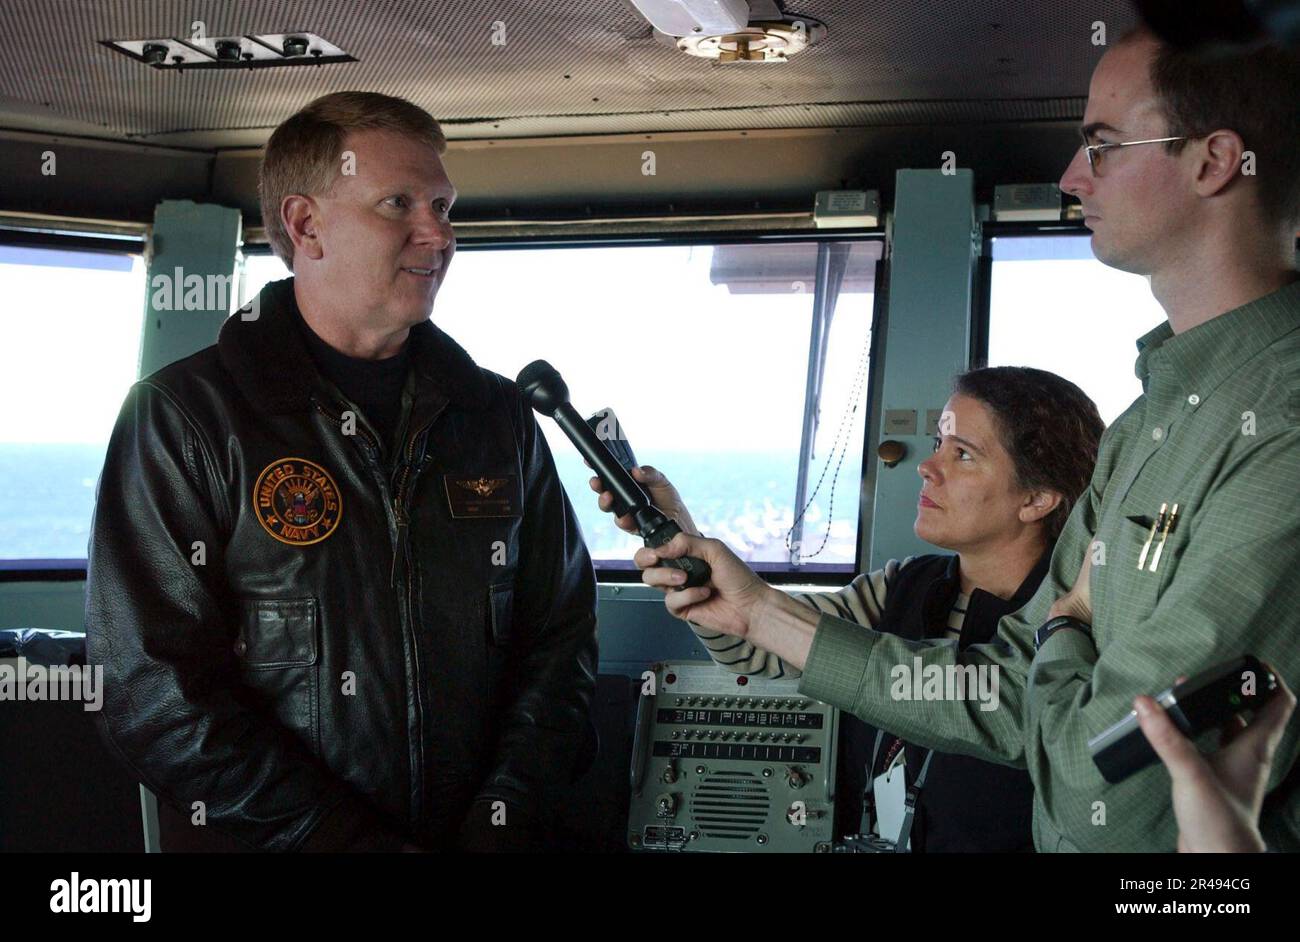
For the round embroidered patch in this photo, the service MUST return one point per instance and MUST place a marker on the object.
(296, 501)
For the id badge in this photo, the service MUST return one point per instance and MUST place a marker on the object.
(890, 791)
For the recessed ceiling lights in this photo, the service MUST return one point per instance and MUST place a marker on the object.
(231, 52)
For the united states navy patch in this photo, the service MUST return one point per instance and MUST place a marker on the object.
(297, 501)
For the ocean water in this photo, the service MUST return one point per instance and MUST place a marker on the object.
(744, 499)
(47, 494)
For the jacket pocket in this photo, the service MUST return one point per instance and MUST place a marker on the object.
(278, 633)
(501, 613)
(277, 649)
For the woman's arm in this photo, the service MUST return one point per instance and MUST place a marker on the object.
(861, 601)
(787, 624)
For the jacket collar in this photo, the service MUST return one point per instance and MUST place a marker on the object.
(983, 609)
(270, 364)
(952, 575)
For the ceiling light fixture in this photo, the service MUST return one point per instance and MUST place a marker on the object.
(722, 30)
(764, 41)
(231, 52)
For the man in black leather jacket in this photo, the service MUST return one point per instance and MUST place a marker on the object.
(340, 597)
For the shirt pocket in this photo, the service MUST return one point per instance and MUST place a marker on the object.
(278, 651)
(1131, 592)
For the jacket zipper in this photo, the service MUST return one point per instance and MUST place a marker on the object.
(403, 519)
(406, 609)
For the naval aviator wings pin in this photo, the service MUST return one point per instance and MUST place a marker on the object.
(482, 495)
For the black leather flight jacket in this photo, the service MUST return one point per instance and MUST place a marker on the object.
(328, 646)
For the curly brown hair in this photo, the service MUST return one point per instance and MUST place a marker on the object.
(1049, 427)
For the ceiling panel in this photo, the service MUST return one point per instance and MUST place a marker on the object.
(567, 67)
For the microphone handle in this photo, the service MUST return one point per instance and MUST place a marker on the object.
(656, 529)
(697, 570)
(602, 461)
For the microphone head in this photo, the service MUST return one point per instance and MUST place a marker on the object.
(543, 387)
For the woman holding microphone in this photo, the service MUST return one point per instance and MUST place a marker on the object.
(1016, 448)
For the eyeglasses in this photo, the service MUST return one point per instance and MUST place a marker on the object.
(1094, 151)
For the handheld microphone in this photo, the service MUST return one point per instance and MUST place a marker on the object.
(544, 389)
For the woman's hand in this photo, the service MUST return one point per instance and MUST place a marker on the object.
(1217, 798)
(1077, 603)
(662, 494)
(731, 600)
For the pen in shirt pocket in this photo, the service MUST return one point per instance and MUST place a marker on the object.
(1161, 526)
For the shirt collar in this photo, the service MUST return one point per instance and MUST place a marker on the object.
(1148, 344)
(1209, 353)
(335, 364)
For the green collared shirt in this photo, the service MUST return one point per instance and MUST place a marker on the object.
(1217, 431)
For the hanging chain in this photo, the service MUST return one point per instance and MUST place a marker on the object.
(850, 409)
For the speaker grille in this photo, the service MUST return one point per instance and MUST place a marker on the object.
(730, 805)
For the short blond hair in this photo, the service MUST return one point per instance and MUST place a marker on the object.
(304, 154)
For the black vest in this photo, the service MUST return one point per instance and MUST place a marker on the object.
(966, 804)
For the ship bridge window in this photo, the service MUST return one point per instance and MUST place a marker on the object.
(69, 351)
(738, 369)
(1053, 306)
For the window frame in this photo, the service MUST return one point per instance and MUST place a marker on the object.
(981, 297)
(71, 241)
(812, 574)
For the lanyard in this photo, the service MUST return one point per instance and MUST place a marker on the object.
(913, 793)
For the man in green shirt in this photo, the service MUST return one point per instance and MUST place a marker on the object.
(1206, 208)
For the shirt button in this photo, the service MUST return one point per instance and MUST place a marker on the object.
(1194, 400)
(1157, 433)
(241, 647)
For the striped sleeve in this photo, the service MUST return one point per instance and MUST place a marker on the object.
(861, 601)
